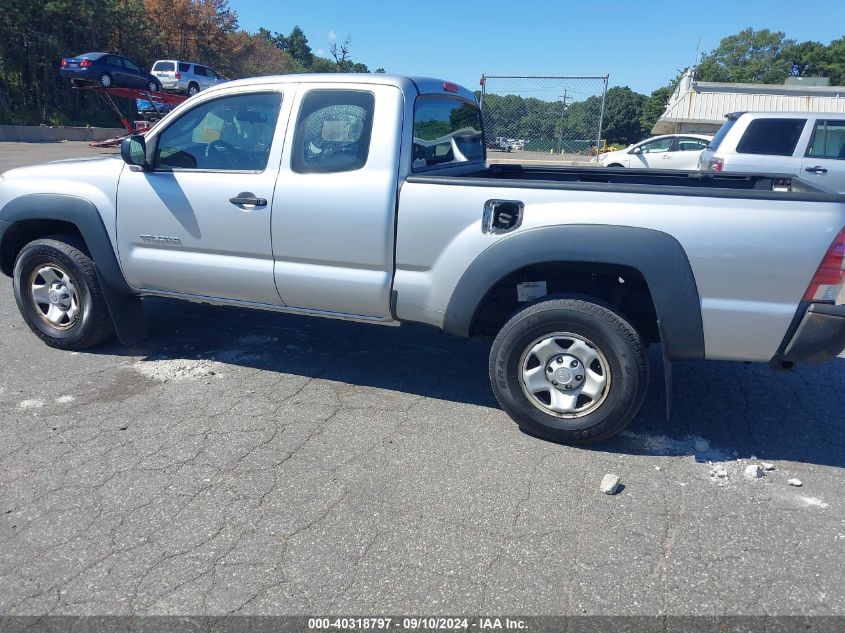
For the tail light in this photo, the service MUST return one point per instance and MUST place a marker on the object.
(827, 283)
(85, 63)
(716, 164)
(64, 63)
(178, 76)
(448, 86)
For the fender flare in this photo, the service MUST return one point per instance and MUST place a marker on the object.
(123, 302)
(658, 256)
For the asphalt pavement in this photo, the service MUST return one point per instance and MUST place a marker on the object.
(255, 463)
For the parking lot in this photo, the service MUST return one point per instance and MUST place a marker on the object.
(255, 463)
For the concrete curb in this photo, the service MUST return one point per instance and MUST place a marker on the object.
(45, 133)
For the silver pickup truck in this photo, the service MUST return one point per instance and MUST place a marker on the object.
(369, 198)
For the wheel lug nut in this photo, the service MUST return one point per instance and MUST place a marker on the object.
(549, 369)
(560, 359)
(554, 382)
(568, 386)
(579, 377)
(574, 363)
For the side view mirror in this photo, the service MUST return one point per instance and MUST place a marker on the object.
(636, 150)
(133, 150)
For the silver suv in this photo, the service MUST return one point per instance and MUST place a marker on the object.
(186, 77)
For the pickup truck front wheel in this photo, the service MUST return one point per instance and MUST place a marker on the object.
(569, 370)
(58, 294)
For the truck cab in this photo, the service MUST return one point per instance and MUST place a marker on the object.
(223, 205)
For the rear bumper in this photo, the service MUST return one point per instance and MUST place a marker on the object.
(820, 335)
(83, 74)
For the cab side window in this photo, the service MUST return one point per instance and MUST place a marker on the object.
(333, 131)
(655, 147)
(828, 140)
(232, 133)
(773, 137)
(691, 145)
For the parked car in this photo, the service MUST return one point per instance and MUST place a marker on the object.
(375, 204)
(670, 151)
(185, 77)
(107, 70)
(808, 144)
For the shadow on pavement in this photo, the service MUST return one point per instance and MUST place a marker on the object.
(722, 410)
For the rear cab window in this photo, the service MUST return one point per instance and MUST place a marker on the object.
(771, 137)
(447, 131)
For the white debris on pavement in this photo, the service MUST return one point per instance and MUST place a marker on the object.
(690, 445)
(657, 468)
(720, 472)
(768, 466)
(795, 482)
(753, 471)
(65, 399)
(31, 404)
(178, 369)
(815, 502)
(609, 484)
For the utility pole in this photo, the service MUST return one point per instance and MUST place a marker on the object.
(560, 122)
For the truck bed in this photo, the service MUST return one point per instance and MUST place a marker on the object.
(650, 181)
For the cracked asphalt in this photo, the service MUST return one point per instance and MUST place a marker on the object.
(254, 463)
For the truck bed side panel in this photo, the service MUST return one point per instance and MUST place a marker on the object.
(752, 258)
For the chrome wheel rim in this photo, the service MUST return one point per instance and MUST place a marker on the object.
(564, 375)
(54, 296)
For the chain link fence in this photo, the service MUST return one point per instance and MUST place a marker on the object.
(559, 117)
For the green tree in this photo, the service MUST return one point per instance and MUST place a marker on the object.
(655, 105)
(748, 57)
(622, 111)
(296, 44)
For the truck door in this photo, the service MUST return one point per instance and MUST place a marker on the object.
(198, 222)
(335, 204)
(824, 162)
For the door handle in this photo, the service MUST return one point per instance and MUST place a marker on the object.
(818, 169)
(246, 198)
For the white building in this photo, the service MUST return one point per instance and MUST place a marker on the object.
(700, 106)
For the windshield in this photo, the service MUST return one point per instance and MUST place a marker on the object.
(720, 135)
(446, 130)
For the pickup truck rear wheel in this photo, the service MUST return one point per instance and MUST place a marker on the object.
(569, 370)
(58, 294)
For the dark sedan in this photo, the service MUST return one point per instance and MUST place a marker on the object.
(107, 70)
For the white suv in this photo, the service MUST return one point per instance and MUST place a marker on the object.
(186, 77)
(807, 144)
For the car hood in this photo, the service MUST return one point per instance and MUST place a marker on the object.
(73, 168)
(92, 178)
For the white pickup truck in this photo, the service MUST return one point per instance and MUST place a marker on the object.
(367, 197)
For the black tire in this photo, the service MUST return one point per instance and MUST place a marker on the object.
(153, 86)
(617, 165)
(193, 89)
(618, 346)
(92, 323)
(106, 80)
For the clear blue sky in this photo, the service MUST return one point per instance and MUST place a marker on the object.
(639, 43)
